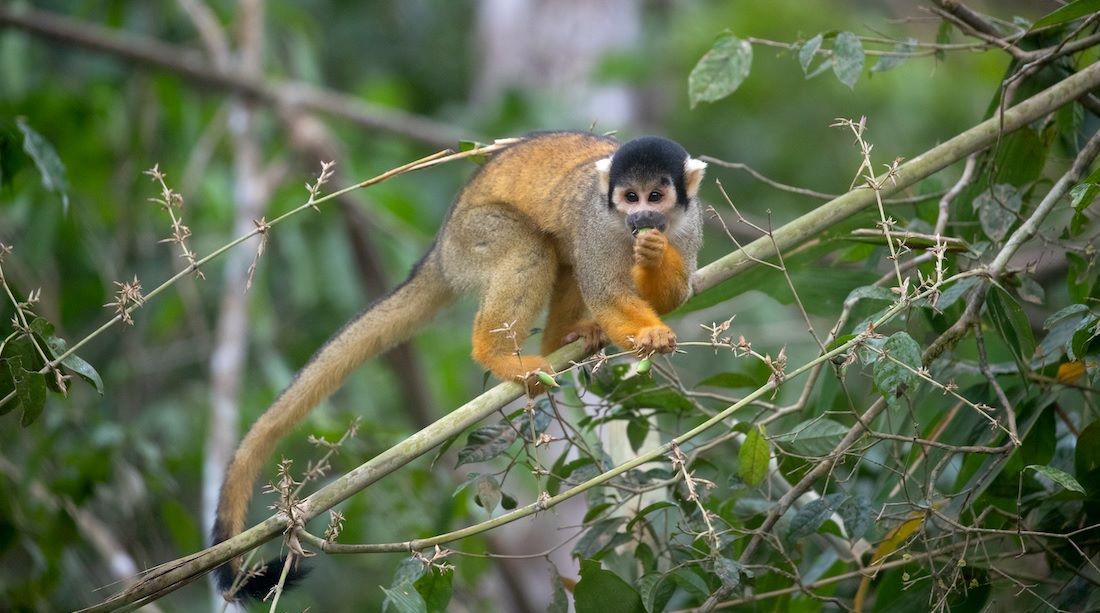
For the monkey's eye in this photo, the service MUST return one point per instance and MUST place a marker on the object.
(655, 196)
(631, 196)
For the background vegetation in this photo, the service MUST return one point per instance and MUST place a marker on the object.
(944, 457)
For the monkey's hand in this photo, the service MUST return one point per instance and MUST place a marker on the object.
(655, 339)
(591, 333)
(649, 248)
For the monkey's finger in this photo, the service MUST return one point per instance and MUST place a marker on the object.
(660, 339)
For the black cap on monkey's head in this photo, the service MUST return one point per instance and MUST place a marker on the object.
(650, 156)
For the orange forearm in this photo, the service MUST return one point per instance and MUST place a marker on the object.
(663, 286)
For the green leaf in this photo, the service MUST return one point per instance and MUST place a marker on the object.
(532, 424)
(57, 346)
(1082, 196)
(1012, 325)
(1085, 192)
(886, 62)
(1069, 12)
(720, 71)
(955, 291)
(1022, 155)
(814, 438)
(436, 587)
(640, 516)
(469, 145)
(753, 457)
(597, 538)
(561, 471)
(690, 580)
(892, 378)
(810, 517)
(1079, 345)
(728, 572)
(871, 292)
(30, 391)
(404, 598)
(595, 511)
(998, 209)
(1058, 476)
(46, 159)
(1030, 290)
(487, 494)
(807, 52)
(1062, 328)
(559, 602)
(486, 443)
(408, 571)
(1081, 276)
(637, 430)
(12, 159)
(858, 516)
(656, 591)
(848, 58)
(602, 591)
(1086, 458)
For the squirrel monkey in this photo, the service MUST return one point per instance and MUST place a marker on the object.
(604, 236)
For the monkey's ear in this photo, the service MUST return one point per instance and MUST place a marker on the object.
(603, 169)
(693, 175)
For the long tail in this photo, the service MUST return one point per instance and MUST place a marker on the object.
(390, 320)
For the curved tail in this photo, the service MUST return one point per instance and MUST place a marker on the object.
(388, 321)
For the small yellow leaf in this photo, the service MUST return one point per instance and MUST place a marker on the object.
(894, 539)
(1070, 372)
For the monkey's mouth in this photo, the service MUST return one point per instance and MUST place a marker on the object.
(642, 220)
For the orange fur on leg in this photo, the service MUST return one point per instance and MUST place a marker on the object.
(566, 311)
(632, 324)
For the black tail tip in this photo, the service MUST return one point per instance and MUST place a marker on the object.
(258, 584)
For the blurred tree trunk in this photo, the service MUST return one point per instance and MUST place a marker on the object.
(556, 45)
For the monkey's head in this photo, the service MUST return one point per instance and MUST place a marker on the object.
(650, 180)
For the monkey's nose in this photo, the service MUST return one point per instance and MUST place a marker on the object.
(641, 220)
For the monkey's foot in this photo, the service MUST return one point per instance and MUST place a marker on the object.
(655, 339)
(649, 248)
(591, 333)
(525, 369)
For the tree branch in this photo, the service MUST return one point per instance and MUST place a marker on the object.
(190, 64)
